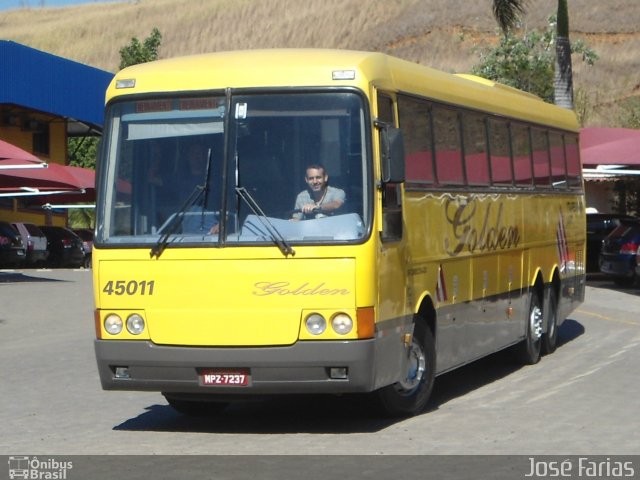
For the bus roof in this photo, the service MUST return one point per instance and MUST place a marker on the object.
(315, 68)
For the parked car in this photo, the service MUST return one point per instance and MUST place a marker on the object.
(619, 251)
(599, 225)
(12, 251)
(86, 234)
(34, 241)
(65, 247)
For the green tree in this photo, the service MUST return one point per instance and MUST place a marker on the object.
(507, 13)
(527, 62)
(82, 151)
(137, 52)
(81, 218)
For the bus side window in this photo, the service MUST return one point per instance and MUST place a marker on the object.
(391, 194)
(541, 164)
(572, 152)
(500, 153)
(559, 173)
(476, 154)
(415, 122)
(521, 148)
(446, 128)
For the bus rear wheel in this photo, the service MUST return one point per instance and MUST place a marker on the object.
(528, 350)
(550, 338)
(410, 395)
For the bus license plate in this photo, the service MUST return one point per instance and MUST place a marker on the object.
(224, 378)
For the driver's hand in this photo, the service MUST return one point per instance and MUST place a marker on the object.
(309, 207)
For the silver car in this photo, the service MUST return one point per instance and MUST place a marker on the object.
(35, 242)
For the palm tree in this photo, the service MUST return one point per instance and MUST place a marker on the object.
(563, 74)
(507, 12)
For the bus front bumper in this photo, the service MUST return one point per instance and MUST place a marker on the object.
(304, 367)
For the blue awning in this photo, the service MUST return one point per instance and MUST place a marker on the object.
(50, 84)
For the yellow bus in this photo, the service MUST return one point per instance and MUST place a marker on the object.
(443, 220)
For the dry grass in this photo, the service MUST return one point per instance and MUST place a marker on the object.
(439, 33)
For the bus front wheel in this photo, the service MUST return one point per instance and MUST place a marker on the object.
(411, 395)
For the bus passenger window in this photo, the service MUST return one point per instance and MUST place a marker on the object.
(475, 148)
(541, 165)
(500, 151)
(521, 148)
(385, 109)
(558, 164)
(448, 146)
(574, 171)
(415, 122)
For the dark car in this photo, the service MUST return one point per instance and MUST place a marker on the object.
(65, 247)
(12, 251)
(599, 225)
(618, 253)
(86, 234)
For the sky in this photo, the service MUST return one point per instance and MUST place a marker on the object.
(7, 4)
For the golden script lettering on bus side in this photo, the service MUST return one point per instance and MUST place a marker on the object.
(492, 235)
(264, 289)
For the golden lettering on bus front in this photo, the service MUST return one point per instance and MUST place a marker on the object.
(488, 234)
(263, 289)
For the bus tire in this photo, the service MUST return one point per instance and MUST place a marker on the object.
(528, 350)
(550, 338)
(410, 396)
(195, 408)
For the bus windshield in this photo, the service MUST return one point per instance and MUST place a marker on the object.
(253, 168)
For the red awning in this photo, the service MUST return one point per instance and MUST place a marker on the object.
(12, 156)
(22, 174)
(53, 177)
(610, 146)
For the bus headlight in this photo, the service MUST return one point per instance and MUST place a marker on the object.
(341, 323)
(113, 324)
(135, 324)
(316, 324)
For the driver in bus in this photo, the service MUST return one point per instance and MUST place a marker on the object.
(318, 199)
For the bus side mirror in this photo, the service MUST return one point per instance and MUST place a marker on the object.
(392, 151)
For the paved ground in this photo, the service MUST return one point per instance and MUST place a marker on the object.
(583, 399)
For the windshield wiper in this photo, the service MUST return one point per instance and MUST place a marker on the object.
(176, 221)
(207, 177)
(276, 236)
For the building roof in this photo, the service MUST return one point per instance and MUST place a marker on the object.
(50, 84)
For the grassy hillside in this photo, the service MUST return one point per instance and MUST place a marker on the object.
(444, 34)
